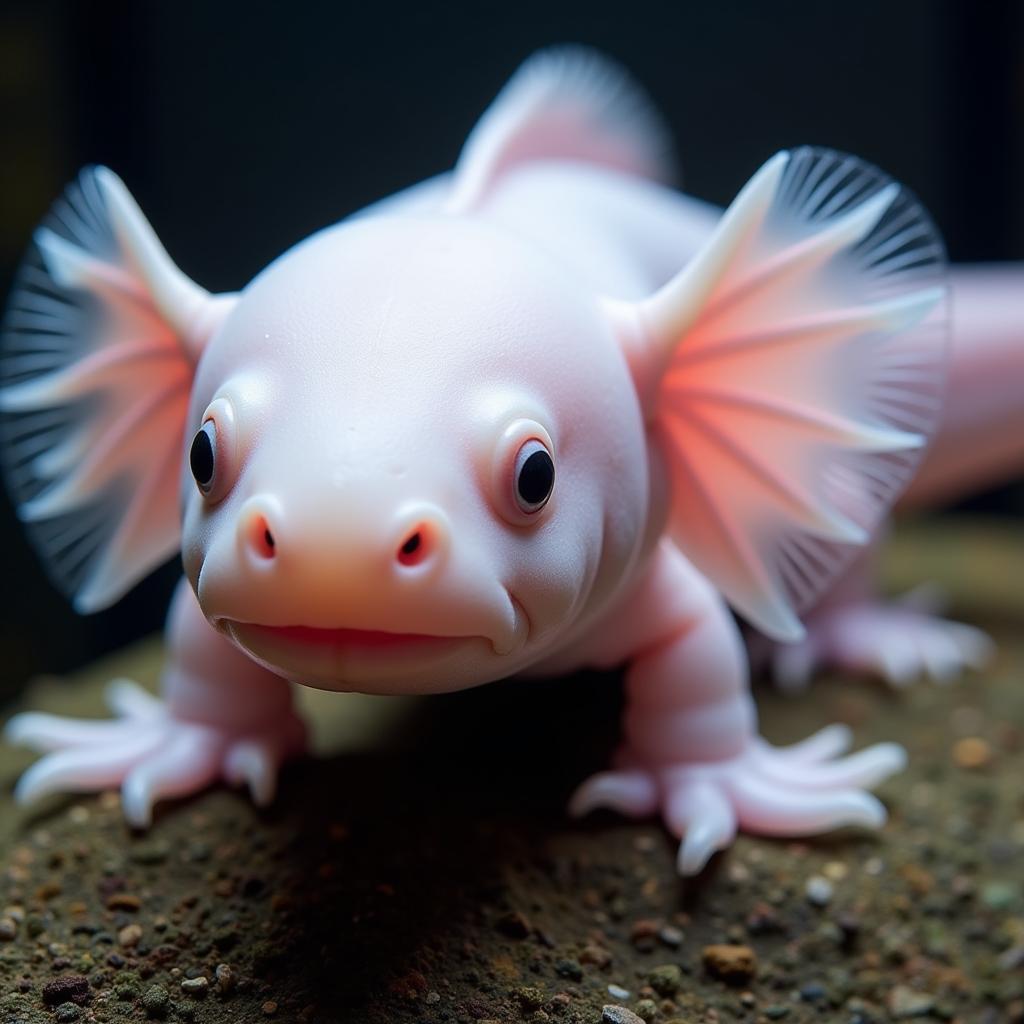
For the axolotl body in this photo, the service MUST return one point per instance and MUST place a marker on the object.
(538, 414)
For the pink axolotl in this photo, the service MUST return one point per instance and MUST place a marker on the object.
(538, 414)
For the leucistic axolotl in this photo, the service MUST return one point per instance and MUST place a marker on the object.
(517, 419)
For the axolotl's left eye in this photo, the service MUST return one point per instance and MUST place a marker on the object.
(534, 477)
(524, 472)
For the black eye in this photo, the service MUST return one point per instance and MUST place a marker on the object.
(202, 456)
(535, 476)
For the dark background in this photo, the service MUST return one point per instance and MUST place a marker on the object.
(242, 127)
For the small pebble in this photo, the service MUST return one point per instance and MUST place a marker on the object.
(643, 934)
(619, 1015)
(225, 978)
(8, 929)
(734, 965)
(124, 901)
(836, 870)
(67, 1012)
(671, 936)
(78, 814)
(196, 986)
(819, 890)
(569, 969)
(666, 980)
(269, 1008)
(972, 753)
(68, 988)
(618, 992)
(906, 1002)
(647, 1010)
(130, 935)
(596, 955)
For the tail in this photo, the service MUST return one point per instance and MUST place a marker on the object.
(980, 442)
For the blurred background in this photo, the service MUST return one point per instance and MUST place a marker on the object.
(243, 127)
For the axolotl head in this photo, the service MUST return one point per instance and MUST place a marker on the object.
(416, 459)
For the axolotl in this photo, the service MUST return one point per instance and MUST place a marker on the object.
(540, 413)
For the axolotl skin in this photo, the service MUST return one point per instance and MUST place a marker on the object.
(538, 414)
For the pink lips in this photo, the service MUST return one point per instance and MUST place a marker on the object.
(313, 636)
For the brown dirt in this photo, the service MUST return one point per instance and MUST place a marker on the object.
(425, 872)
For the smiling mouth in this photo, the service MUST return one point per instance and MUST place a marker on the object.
(353, 640)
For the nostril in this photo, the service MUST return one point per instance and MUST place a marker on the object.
(415, 548)
(261, 539)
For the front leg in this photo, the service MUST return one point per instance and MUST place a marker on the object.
(691, 748)
(222, 716)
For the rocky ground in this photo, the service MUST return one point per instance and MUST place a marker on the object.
(424, 871)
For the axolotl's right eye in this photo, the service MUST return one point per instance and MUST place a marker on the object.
(202, 456)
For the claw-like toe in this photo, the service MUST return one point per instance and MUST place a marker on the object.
(186, 763)
(865, 769)
(632, 793)
(772, 810)
(254, 763)
(702, 815)
(823, 745)
(148, 752)
(84, 769)
(44, 733)
(129, 700)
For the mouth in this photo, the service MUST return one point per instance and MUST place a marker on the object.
(333, 657)
(344, 639)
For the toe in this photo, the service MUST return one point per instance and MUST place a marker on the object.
(976, 647)
(702, 815)
(255, 763)
(864, 769)
(633, 793)
(897, 659)
(770, 809)
(129, 700)
(187, 762)
(84, 769)
(44, 733)
(940, 654)
(823, 745)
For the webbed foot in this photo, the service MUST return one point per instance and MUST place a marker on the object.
(148, 752)
(899, 642)
(801, 790)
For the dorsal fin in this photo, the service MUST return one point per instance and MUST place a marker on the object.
(564, 103)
